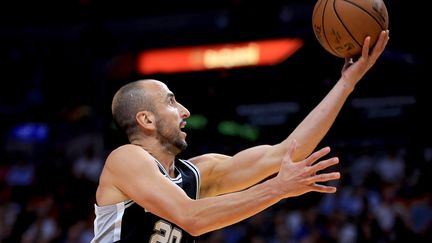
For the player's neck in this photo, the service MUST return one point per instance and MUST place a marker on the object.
(165, 159)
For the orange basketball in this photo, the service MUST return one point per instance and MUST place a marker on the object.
(342, 25)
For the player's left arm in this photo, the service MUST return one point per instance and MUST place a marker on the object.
(222, 174)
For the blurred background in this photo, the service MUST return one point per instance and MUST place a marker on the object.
(62, 61)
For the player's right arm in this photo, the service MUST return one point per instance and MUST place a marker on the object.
(131, 173)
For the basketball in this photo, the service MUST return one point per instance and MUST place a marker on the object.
(341, 26)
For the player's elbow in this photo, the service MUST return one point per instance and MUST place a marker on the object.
(194, 231)
(194, 226)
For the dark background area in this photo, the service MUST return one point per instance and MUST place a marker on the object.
(61, 62)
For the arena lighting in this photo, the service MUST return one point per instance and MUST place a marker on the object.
(217, 56)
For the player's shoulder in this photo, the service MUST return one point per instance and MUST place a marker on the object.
(127, 153)
(124, 149)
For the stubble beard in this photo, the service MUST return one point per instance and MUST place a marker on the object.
(170, 138)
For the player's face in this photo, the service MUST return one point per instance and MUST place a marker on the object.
(170, 120)
(170, 136)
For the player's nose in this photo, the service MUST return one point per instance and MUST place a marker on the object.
(184, 113)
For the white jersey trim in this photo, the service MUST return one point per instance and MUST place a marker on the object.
(108, 221)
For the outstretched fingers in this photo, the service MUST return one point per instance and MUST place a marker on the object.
(381, 43)
(301, 177)
(365, 50)
(378, 48)
(323, 188)
(316, 156)
(325, 177)
(325, 164)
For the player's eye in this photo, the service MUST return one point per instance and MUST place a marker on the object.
(171, 100)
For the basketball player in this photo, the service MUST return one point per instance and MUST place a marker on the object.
(147, 194)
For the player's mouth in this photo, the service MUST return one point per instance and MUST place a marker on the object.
(183, 124)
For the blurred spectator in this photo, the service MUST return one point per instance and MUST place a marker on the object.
(391, 166)
(421, 215)
(9, 211)
(80, 232)
(44, 228)
(21, 173)
(88, 165)
(20, 177)
(348, 233)
(362, 166)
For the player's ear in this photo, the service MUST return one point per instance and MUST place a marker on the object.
(146, 119)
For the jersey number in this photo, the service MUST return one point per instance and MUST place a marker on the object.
(165, 233)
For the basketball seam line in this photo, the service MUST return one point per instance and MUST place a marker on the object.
(376, 20)
(343, 24)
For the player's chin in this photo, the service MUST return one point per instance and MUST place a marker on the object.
(182, 145)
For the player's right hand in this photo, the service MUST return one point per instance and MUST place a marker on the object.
(297, 178)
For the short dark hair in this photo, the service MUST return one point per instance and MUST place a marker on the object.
(127, 102)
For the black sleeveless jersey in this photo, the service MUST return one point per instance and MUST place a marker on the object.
(129, 222)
